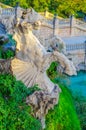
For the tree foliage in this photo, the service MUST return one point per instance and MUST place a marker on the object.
(7, 52)
(51, 72)
(61, 7)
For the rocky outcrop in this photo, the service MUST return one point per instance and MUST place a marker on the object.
(42, 102)
(5, 66)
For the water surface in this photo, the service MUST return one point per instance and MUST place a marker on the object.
(78, 83)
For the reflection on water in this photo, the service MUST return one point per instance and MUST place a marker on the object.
(78, 83)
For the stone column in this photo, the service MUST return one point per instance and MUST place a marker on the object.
(72, 25)
(55, 25)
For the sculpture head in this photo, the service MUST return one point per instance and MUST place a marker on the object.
(22, 28)
(27, 44)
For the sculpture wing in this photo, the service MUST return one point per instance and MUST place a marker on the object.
(24, 71)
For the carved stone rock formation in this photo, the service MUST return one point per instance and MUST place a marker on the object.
(42, 102)
(55, 43)
(32, 60)
(30, 65)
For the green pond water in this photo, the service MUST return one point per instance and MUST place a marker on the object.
(78, 83)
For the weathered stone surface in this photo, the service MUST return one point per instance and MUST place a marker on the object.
(9, 24)
(42, 102)
(56, 43)
(33, 60)
(5, 66)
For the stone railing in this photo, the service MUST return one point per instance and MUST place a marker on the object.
(75, 46)
(63, 27)
(68, 27)
(7, 11)
(64, 22)
(80, 23)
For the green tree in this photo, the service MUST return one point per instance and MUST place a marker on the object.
(62, 7)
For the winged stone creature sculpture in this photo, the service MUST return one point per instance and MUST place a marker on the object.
(32, 60)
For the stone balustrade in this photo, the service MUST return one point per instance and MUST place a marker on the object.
(73, 47)
(7, 11)
(68, 27)
(63, 27)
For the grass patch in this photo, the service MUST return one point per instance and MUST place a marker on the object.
(64, 116)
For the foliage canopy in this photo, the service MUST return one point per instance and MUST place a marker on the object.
(61, 7)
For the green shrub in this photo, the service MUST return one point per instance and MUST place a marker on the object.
(15, 114)
(51, 72)
(7, 54)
